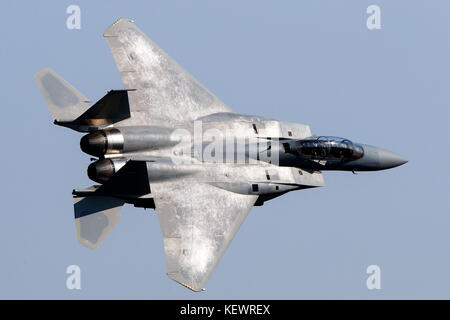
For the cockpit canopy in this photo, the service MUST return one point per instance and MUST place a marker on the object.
(329, 148)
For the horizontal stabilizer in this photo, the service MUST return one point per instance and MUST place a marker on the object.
(95, 217)
(112, 108)
(64, 102)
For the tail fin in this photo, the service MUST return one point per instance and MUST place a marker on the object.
(64, 101)
(69, 107)
(95, 217)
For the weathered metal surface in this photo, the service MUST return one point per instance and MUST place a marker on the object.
(168, 143)
(165, 92)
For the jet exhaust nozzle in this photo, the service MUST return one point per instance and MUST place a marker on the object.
(102, 170)
(101, 142)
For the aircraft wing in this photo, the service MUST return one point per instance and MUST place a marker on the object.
(198, 222)
(163, 90)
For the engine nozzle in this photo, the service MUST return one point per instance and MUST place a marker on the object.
(102, 170)
(101, 142)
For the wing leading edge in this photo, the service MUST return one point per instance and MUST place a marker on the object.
(164, 91)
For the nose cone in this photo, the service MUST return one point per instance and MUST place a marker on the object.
(375, 158)
(388, 159)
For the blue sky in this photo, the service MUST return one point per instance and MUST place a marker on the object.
(305, 61)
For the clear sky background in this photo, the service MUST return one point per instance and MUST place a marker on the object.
(313, 62)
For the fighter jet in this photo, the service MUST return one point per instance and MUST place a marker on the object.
(165, 142)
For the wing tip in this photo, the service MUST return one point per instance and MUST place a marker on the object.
(110, 31)
(189, 286)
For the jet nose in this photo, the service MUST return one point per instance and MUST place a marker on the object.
(388, 159)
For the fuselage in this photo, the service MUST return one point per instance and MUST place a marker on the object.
(245, 148)
(333, 153)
